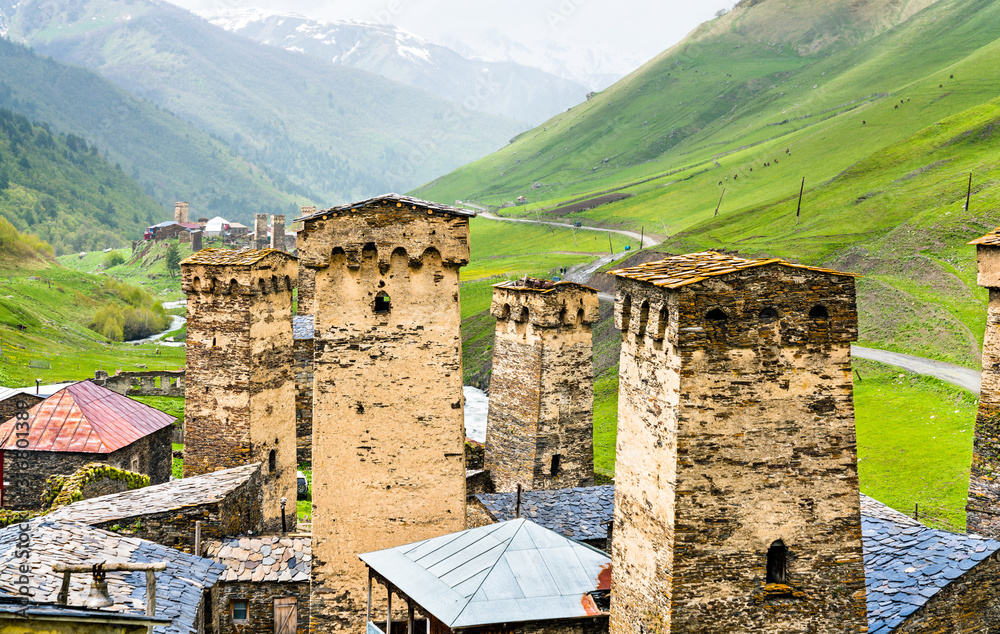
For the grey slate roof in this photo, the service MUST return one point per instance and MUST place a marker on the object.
(268, 558)
(510, 572)
(396, 198)
(303, 327)
(179, 588)
(907, 563)
(12, 608)
(581, 513)
(203, 489)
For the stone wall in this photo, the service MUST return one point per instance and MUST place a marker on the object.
(260, 231)
(238, 513)
(303, 358)
(734, 433)
(151, 456)
(261, 596)
(180, 212)
(143, 383)
(388, 434)
(540, 426)
(278, 232)
(240, 389)
(307, 276)
(983, 509)
(593, 625)
(8, 406)
(967, 605)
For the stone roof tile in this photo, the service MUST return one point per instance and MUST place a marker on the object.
(394, 198)
(681, 270)
(232, 257)
(265, 558)
(580, 513)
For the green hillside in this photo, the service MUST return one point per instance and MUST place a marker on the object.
(59, 187)
(170, 159)
(884, 111)
(334, 130)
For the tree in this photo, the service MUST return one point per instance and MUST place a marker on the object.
(173, 259)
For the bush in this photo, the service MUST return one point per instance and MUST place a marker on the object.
(113, 259)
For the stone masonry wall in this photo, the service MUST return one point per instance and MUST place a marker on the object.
(303, 358)
(967, 605)
(143, 383)
(388, 433)
(261, 596)
(983, 508)
(307, 276)
(735, 433)
(240, 389)
(8, 407)
(239, 513)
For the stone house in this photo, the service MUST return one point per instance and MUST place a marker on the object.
(540, 427)
(227, 503)
(265, 588)
(28, 397)
(182, 590)
(303, 332)
(511, 577)
(735, 393)
(80, 424)
(52, 618)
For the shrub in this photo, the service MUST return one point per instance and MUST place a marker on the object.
(113, 259)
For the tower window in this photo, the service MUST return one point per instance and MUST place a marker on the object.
(643, 317)
(382, 303)
(716, 314)
(554, 467)
(626, 312)
(272, 461)
(768, 314)
(777, 563)
(819, 312)
(662, 321)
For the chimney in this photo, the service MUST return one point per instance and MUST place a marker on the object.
(260, 231)
(180, 212)
(278, 232)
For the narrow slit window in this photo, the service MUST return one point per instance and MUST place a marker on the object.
(554, 468)
(661, 323)
(643, 318)
(626, 312)
(272, 461)
(777, 563)
(382, 303)
(819, 312)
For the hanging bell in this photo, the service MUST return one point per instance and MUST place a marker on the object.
(99, 596)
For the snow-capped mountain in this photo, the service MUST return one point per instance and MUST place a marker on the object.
(513, 90)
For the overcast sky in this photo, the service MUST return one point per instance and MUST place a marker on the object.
(637, 29)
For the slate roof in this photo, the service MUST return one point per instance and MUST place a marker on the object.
(681, 270)
(86, 418)
(231, 257)
(510, 572)
(304, 327)
(541, 286)
(159, 498)
(179, 588)
(581, 513)
(907, 563)
(262, 559)
(393, 198)
(990, 239)
(12, 608)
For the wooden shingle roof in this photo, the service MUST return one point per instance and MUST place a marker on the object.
(990, 239)
(85, 418)
(681, 270)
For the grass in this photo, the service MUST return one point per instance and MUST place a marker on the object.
(304, 504)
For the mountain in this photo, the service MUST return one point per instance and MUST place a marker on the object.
(335, 131)
(59, 188)
(884, 107)
(517, 92)
(170, 159)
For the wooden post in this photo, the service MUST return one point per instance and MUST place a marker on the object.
(63, 597)
(968, 193)
(642, 238)
(664, 229)
(575, 244)
(197, 538)
(717, 206)
(610, 246)
(150, 593)
(802, 188)
(517, 508)
(409, 615)
(388, 610)
(368, 613)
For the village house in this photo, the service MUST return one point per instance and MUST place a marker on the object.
(80, 424)
(265, 588)
(27, 397)
(514, 577)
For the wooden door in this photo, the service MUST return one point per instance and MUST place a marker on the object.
(285, 615)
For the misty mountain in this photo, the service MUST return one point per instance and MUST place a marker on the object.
(337, 131)
(514, 91)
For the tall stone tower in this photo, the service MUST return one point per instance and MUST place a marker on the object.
(307, 276)
(983, 509)
(388, 428)
(240, 390)
(180, 212)
(540, 427)
(278, 232)
(736, 486)
(260, 231)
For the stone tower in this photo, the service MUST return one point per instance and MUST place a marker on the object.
(983, 509)
(260, 231)
(736, 495)
(240, 390)
(278, 232)
(540, 427)
(388, 428)
(180, 212)
(307, 276)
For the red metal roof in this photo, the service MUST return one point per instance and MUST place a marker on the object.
(86, 418)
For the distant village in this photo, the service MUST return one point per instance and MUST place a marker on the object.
(735, 505)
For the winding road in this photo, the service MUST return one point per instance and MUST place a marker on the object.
(647, 240)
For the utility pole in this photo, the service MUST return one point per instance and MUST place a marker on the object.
(720, 202)
(610, 246)
(802, 188)
(968, 194)
(642, 238)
